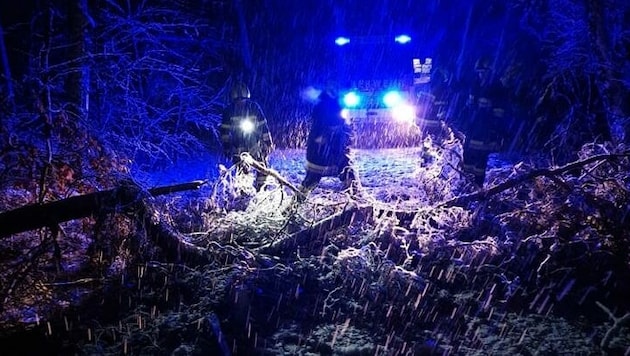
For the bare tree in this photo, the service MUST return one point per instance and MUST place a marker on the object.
(573, 89)
(157, 80)
(10, 95)
(103, 86)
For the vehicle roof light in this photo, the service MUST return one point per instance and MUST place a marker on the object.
(392, 98)
(340, 41)
(351, 99)
(402, 39)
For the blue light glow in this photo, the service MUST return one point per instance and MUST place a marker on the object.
(310, 94)
(340, 41)
(351, 99)
(402, 39)
(392, 98)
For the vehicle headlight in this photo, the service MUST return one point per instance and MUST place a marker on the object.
(342, 41)
(404, 113)
(247, 126)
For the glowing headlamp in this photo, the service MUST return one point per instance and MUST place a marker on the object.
(247, 126)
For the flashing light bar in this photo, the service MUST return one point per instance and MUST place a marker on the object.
(392, 98)
(402, 39)
(351, 99)
(341, 41)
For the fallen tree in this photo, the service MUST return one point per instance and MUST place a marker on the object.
(35, 216)
(552, 173)
(352, 213)
(315, 251)
(128, 198)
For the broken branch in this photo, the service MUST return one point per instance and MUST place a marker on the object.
(483, 194)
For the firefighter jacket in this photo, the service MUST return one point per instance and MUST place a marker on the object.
(431, 114)
(328, 142)
(244, 129)
(487, 124)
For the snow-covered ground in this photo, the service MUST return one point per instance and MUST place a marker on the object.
(376, 167)
(390, 163)
(410, 176)
(442, 281)
(403, 175)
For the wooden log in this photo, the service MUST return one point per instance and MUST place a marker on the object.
(35, 216)
(351, 214)
(172, 243)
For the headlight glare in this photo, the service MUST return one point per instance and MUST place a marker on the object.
(247, 126)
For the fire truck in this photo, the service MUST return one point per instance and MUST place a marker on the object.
(384, 80)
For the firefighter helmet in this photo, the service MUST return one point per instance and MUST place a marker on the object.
(483, 63)
(239, 91)
(331, 88)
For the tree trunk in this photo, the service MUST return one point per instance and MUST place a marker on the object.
(607, 82)
(4, 56)
(37, 216)
(350, 215)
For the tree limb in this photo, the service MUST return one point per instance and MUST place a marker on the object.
(35, 216)
(172, 243)
(618, 322)
(349, 215)
(483, 194)
(249, 160)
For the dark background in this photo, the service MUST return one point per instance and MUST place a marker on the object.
(280, 47)
(94, 94)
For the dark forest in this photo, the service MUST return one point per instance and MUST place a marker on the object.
(124, 230)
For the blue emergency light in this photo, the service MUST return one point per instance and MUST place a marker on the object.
(402, 39)
(340, 41)
(351, 99)
(392, 98)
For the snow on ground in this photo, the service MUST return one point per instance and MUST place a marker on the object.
(408, 176)
(407, 179)
(378, 168)
(399, 175)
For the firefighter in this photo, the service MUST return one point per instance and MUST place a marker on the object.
(244, 129)
(434, 106)
(328, 145)
(484, 129)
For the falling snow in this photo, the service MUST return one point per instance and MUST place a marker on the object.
(415, 260)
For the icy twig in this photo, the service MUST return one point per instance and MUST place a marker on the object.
(483, 194)
(617, 324)
(249, 160)
(330, 301)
